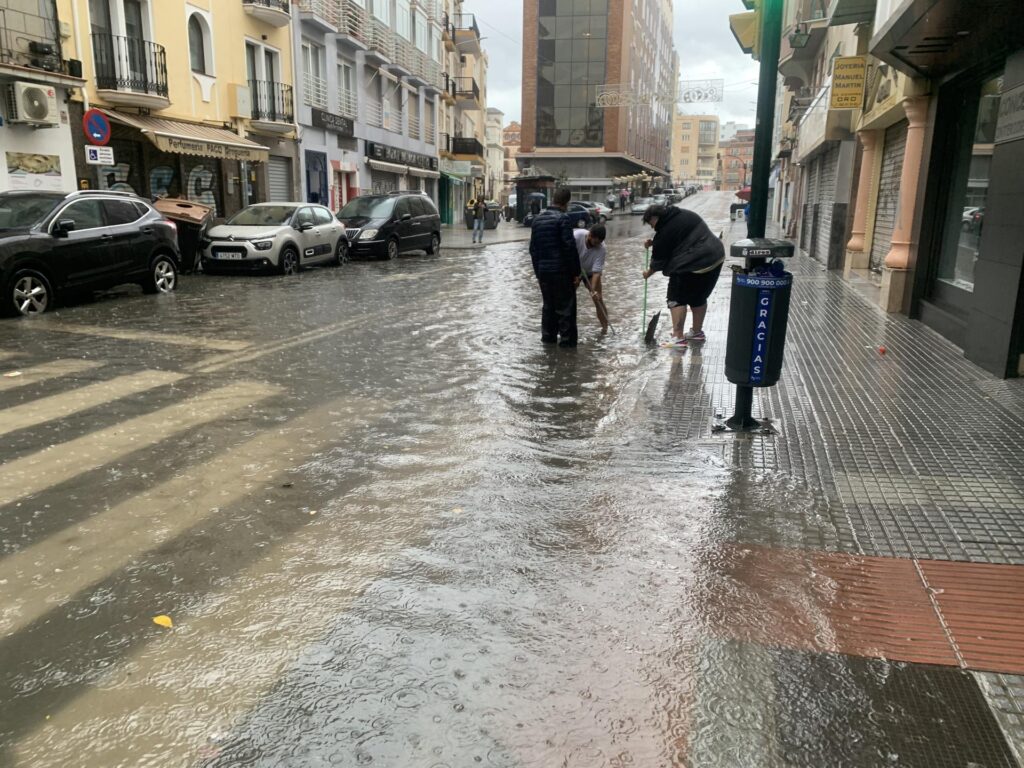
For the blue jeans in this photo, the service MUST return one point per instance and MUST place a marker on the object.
(478, 226)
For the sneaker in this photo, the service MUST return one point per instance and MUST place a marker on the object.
(675, 343)
(693, 335)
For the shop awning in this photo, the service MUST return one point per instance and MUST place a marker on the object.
(380, 165)
(424, 173)
(454, 178)
(192, 138)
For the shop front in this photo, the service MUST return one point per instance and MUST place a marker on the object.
(329, 152)
(966, 269)
(452, 189)
(393, 169)
(155, 157)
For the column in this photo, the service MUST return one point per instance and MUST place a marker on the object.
(869, 141)
(897, 261)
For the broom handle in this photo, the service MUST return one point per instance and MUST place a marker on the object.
(647, 262)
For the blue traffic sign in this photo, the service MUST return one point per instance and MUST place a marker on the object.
(96, 127)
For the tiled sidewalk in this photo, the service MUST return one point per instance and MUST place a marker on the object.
(913, 453)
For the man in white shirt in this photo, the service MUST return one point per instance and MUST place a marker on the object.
(590, 244)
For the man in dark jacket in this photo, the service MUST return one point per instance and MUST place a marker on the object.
(687, 252)
(556, 263)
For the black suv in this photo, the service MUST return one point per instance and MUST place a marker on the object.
(54, 242)
(383, 226)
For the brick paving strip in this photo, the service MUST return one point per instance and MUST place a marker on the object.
(949, 613)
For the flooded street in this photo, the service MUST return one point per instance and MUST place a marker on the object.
(391, 528)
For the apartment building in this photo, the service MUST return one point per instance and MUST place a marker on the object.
(906, 173)
(599, 82)
(198, 94)
(37, 74)
(495, 154)
(510, 138)
(695, 150)
(736, 160)
(369, 84)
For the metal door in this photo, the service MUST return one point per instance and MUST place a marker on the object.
(279, 180)
(887, 204)
(828, 169)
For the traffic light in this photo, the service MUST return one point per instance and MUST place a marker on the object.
(746, 28)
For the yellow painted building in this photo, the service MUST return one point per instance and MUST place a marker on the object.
(198, 94)
(695, 149)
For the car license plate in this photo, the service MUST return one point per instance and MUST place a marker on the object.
(227, 255)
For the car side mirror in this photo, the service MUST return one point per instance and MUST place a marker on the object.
(406, 216)
(63, 227)
(304, 225)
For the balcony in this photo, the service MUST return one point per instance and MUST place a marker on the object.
(322, 15)
(381, 43)
(447, 33)
(467, 92)
(348, 104)
(273, 108)
(801, 43)
(466, 34)
(276, 13)
(447, 88)
(429, 134)
(375, 114)
(354, 29)
(130, 72)
(314, 90)
(414, 127)
(403, 62)
(444, 145)
(466, 147)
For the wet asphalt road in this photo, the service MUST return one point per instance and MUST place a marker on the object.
(389, 527)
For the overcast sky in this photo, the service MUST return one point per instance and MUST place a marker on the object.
(705, 45)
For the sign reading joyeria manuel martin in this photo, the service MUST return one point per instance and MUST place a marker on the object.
(848, 76)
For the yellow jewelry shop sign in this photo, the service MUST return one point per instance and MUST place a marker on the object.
(848, 76)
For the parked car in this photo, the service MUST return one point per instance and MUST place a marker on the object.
(274, 237)
(661, 199)
(967, 219)
(599, 212)
(641, 204)
(586, 215)
(55, 243)
(383, 226)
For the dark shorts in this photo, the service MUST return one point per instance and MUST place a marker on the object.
(689, 289)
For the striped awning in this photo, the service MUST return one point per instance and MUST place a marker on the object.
(192, 138)
(380, 165)
(424, 173)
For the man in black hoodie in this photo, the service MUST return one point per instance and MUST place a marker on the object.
(687, 252)
(556, 263)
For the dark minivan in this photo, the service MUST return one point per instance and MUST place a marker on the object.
(383, 226)
(54, 243)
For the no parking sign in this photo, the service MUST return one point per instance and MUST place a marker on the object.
(96, 127)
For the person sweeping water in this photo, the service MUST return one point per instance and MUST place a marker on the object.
(590, 244)
(686, 251)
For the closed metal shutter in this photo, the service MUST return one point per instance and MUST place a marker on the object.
(894, 144)
(807, 225)
(279, 180)
(829, 169)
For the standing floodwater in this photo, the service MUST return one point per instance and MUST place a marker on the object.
(390, 527)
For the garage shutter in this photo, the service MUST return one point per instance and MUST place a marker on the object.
(807, 225)
(829, 169)
(279, 180)
(894, 143)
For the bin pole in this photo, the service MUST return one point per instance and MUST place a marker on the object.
(771, 41)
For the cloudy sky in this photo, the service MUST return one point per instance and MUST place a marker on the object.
(705, 45)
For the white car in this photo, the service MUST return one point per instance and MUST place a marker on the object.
(641, 204)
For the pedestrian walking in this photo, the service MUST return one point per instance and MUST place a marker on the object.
(478, 211)
(556, 264)
(590, 245)
(610, 200)
(687, 252)
(623, 198)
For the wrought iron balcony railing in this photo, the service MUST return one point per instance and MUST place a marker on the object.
(129, 64)
(272, 101)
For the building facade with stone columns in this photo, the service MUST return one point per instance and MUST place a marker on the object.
(914, 189)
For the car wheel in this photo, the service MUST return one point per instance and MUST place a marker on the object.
(163, 276)
(341, 253)
(392, 250)
(604, 219)
(435, 245)
(29, 293)
(288, 261)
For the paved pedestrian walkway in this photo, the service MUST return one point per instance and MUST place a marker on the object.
(460, 238)
(913, 458)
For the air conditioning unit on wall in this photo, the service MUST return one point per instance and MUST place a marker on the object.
(32, 104)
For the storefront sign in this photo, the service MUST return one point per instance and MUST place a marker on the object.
(1010, 126)
(455, 167)
(848, 75)
(328, 121)
(399, 156)
(99, 155)
(212, 149)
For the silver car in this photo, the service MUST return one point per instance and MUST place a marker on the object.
(282, 237)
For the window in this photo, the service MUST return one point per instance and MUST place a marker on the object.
(197, 44)
(305, 216)
(87, 214)
(571, 65)
(418, 208)
(382, 11)
(403, 207)
(322, 216)
(422, 35)
(120, 212)
(435, 43)
(403, 19)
